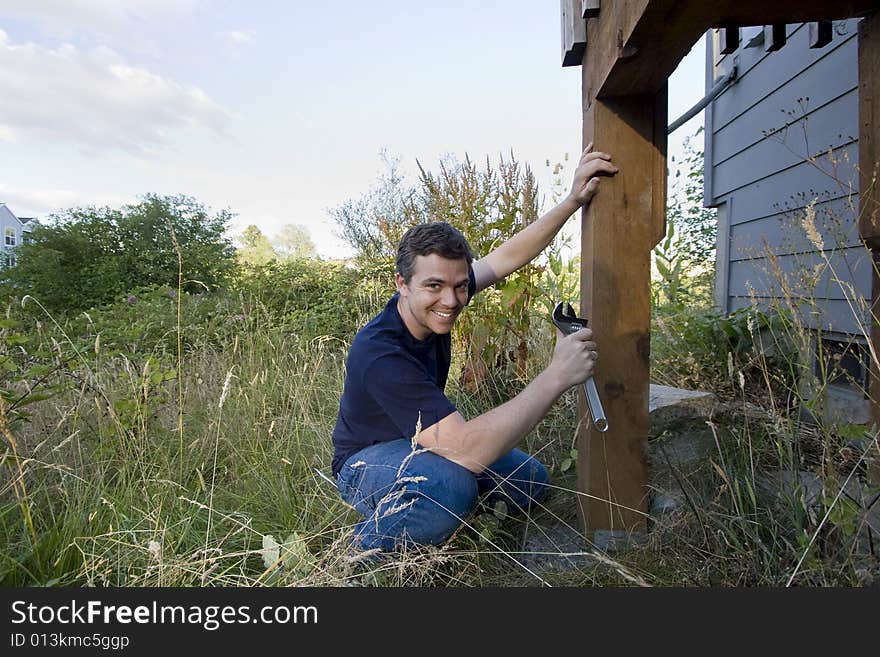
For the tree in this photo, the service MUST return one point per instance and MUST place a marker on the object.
(295, 242)
(152, 230)
(255, 247)
(90, 256)
(72, 263)
(373, 223)
(684, 261)
(695, 225)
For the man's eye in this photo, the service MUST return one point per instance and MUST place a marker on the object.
(434, 286)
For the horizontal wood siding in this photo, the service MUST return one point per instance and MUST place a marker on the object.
(836, 318)
(844, 274)
(792, 188)
(791, 231)
(782, 151)
(798, 144)
(762, 74)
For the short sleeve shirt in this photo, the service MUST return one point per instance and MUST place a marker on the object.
(393, 383)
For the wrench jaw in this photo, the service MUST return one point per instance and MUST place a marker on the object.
(566, 320)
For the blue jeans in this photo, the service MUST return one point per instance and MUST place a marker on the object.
(421, 498)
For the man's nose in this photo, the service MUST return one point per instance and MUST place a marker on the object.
(450, 300)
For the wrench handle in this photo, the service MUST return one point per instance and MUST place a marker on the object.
(596, 410)
(566, 321)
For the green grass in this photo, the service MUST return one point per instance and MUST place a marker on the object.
(102, 489)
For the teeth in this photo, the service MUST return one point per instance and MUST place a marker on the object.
(447, 315)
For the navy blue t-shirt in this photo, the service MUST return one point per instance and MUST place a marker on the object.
(391, 381)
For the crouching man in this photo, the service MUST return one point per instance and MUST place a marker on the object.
(404, 457)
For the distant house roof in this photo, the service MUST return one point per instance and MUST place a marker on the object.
(27, 223)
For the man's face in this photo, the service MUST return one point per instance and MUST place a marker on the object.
(434, 296)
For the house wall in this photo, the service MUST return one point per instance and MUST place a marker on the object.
(781, 155)
(9, 220)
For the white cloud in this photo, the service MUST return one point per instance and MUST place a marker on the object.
(95, 98)
(239, 37)
(40, 202)
(65, 18)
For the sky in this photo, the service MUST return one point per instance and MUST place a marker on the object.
(280, 110)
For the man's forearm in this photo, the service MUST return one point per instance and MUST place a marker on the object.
(525, 246)
(488, 437)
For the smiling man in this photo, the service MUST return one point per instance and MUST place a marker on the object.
(404, 457)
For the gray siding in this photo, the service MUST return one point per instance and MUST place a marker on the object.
(21, 231)
(781, 155)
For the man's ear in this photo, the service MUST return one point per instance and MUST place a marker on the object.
(399, 282)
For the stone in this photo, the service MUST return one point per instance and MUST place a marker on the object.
(667, 405)
(789, 483)
(556, 548)
(612, 540)
(681, 440)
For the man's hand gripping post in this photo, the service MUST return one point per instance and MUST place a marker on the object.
(568, 323)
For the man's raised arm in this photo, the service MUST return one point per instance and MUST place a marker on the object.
(525, 246)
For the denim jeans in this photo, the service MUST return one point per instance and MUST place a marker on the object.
(421, 498)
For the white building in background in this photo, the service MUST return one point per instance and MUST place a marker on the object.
(14, 231)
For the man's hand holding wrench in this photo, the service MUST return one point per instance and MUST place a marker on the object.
(581, 360)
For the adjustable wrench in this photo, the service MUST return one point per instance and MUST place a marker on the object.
(568, 323)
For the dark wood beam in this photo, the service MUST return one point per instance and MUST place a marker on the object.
(590, 8)
(869, 198)
(821, 33)
(574, 32)
(729, 40)
(620, 227)
(774, 37)
(634, 45)
(869, 131)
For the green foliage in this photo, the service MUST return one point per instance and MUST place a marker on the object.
(255, 249)
(671, 288)
(489, 206)
(294, 241)
(685, 260)
(311, 297)
(291, 242)
(24, 381)
(693, 348)
(106, 500)
(373, 223)
(90, 256)
(685, 207)
(152, 231)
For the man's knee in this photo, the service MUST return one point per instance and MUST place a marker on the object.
(431, 498)
(446, 493)
(530, 482)
(450, 488)
(538, 475)
(518, 479)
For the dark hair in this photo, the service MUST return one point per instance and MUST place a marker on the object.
(436, 237)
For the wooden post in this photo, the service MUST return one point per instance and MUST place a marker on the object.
(624, 221)
(633, 47)
(869, 198)
(869, 129)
